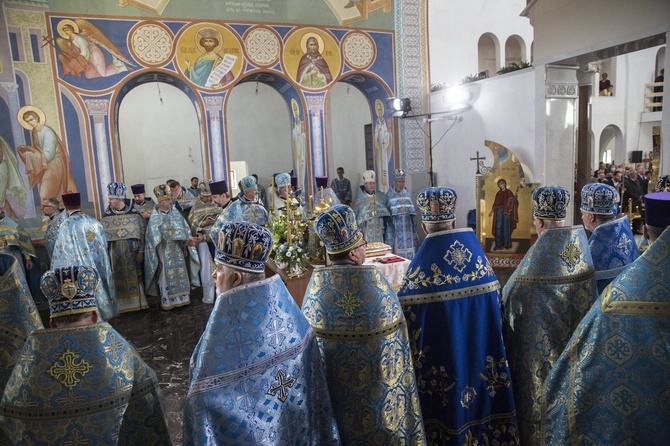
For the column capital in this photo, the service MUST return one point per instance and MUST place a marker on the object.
(10, 87)
(97, 107)
(213, 103)
(314, 103)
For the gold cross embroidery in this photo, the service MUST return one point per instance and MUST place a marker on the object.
(348, 303)
(571, 254)
(69, 369)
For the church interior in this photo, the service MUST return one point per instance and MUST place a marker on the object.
(140, 91)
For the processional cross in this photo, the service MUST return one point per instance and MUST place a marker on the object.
(480, 161)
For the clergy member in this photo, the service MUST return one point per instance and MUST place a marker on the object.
(124, 230)
(15, 241)
(81, 241)
(362, 333)
(611, 384)
(451, 300)
(370, 208)
(248, 208)
(201, 218)
(256, 376)
(401, 228)
(545, 298)
(170, 267)
(80, 382)
(612, 243)
(18, 314)
(145, 205)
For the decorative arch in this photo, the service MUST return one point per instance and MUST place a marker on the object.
(611, 143)
(515, 50)
(385, 144)
(660, 61)
(488, 54)
(213, 160)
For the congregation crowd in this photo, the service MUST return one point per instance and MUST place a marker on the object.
(572, 350)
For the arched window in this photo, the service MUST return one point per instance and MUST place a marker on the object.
(488, 50)
(515, 50)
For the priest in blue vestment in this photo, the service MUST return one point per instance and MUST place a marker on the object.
(201, 219)
(18, 314)
(80, 382)
(256, 375)
(248, 207)
(125, 230)
(81, 241)
(171, 267)
(451, 300)
(221, 199)
(611, 385)
(612, 243)
(545, 298)
(401, 228)
(16, 242)
(363, 338)
(50, 208)
(370, 208)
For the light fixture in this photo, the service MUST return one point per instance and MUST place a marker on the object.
(398, 107)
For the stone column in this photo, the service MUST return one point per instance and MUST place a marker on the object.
(317, 145)
(98, 109)
(214, 112)
(14, 105)
(558, 127)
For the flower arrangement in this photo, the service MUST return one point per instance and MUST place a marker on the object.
(293, 256)
(288, 234)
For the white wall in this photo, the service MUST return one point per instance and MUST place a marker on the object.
(502, 111)
(456, 26)
(347, 114)
(259, 130)
(150, 155)
(565, 28)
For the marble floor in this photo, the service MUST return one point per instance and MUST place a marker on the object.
(166, 339)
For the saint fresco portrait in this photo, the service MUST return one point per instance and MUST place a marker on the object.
(209, 56)
(46, 159)
(312, 58)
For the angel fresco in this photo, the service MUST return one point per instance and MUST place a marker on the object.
(81, 51)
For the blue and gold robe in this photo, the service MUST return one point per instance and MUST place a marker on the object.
(18, 314)
(362, 334)
(257, 375)
(545, 298)
(611, 385)
(16, 242)
(52, 231)
(200, 223)
(451, 299)
(168, 273)
(370, 212)
(401, 229)
(124, 231)
(81, 241)
(246, 210)
(613, 248)
(148, 205)
(82, 385)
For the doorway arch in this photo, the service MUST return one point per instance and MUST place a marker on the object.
(146, 153)
(488, 53)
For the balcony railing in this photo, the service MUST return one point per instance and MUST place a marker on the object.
(653, 98)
